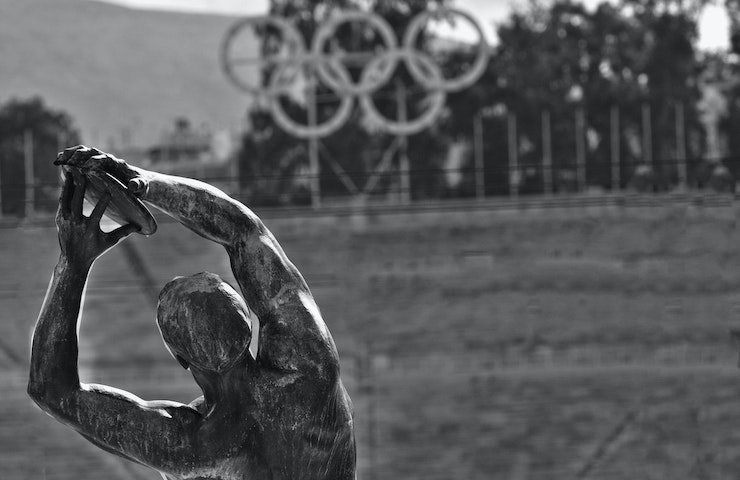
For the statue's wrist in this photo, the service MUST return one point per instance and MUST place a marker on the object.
(66, 265)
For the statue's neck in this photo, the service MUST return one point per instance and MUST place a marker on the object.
(219, 390)
(213, 388)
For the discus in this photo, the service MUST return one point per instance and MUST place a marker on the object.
(124, 206)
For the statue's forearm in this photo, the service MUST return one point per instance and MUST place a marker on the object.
(54, 349)
(199, 206)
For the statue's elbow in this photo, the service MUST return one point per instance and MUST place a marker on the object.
(43, 395)
(38, 392)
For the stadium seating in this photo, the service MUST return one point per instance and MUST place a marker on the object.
(572, 344)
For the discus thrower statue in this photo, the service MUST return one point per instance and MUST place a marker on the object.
(280, 415)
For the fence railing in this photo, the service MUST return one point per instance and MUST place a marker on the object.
(505, 154)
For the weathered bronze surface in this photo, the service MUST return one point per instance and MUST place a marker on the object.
(282, 415)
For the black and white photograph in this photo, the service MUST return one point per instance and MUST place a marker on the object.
(369, 239)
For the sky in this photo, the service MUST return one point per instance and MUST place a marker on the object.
(713, 24)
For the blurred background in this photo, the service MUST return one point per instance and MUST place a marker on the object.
(530, 270)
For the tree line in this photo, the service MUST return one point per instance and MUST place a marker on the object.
(552, 60)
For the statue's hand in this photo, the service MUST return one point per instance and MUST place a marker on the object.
(89, 158)
(80, 238)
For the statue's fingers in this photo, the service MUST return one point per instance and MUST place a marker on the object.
(64, 156)
(102, 160)
(79, 194)
(121, 232)
(65, 197)
(100, 207)
(80, 157)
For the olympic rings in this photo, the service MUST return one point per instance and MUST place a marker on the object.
(324, 129)
(383, 71)
(231, 63)
(455, 84)
(331, 69)
(426, 119)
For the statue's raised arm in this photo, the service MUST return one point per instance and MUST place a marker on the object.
(159, 434)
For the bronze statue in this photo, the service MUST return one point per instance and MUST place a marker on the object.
(283, 415)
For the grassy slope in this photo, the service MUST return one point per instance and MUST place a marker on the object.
(438, 303)
(113, 68)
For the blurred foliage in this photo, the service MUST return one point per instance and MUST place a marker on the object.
(270, 158)
(48, 131)
(729, 73)
(557, 57)
(562, 56)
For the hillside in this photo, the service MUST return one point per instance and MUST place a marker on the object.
(559, 344)
(116, 69)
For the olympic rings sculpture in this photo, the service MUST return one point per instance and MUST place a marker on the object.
(377, 69)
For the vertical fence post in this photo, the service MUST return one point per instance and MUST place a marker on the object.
(647, 136)
(480, 181)
(580, 148)
(546, 153)
(615, 149)
(313, 150)
(514, 178)
(681, 146)
(315, 169)
(30, 181)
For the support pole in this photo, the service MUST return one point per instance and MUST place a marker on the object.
(313, 150)
(514, 178)
(403, 157)
(30, 204)
(615, 149)
(480, 181)
(546, 153)
(681, 146)
(313, 158)
(580, 148)
(383, 166)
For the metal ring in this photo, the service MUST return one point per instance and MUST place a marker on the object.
(327, 31)
(422, 121)
(290, 36)
(456, 83)
(324, 129)
(331, 69)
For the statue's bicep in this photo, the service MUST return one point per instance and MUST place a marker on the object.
(157, 434)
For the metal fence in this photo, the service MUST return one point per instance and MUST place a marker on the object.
(505, 154)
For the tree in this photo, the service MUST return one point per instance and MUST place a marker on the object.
(561, 56)
(48, 131)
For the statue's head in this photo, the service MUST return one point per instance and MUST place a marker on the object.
(204, 322)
